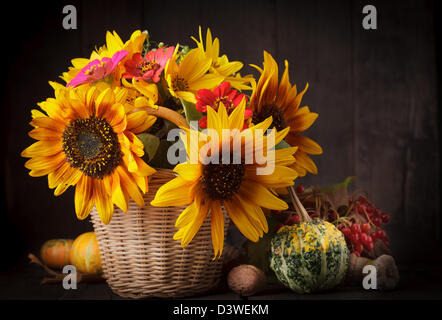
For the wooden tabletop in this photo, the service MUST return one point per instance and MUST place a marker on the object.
(24, 282)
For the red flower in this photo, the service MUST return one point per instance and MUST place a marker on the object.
(223, 93)
(150, 67)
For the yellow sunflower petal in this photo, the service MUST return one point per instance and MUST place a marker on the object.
(282, 176)
(208, 81)
(103, 102)
(84, 197)
(44, 134)
(299, 169)
(144, 169)
(56, 177)
(116, 117)
(48, 123)
(236, 118)
(304, 161)
(120, 198)
(302, 121)
(188, 171)
(186, 95)
(39, 163)
(217, 226)
(139, 121)
(103, 202)
(253, 215)
(239, 218)
(261, 196)
(42, 148)
(141, 182)
(186, 216)
(213, 121)
(130, 186)
(202, 209)
(230, 68)
(305, 144)
(150, 90)
(37, 114)
(176, 192)
(70, 179)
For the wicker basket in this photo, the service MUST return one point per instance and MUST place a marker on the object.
(141, 259)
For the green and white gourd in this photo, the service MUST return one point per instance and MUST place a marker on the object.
(309, 256)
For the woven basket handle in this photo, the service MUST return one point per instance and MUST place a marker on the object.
(168, 114)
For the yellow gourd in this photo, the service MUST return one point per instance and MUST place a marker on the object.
(85, 254)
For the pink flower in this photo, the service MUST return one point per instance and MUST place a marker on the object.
(97, 69)
(150, 67)
(223, 93)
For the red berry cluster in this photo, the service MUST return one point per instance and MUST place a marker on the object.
(359, 237)
(371, 212)
(363, 236)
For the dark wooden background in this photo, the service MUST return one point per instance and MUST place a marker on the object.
(376, 93)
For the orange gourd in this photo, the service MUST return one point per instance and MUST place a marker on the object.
(85, 254)
(55, 253)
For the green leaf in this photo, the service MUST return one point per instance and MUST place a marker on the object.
(160, 158)
(337, 194)
(190, 111)
(282, 145)
(150, 143)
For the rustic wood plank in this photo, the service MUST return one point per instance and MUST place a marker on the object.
(315, 38)
(394, 132)
(43, 49)
(98, 17)
(421, 188)
(245, 30)
(382, 103)
(180, 22)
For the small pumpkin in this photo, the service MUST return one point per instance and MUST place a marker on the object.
(55, 252)
(85, 254)
(309, 256)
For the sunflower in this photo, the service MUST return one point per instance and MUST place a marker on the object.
(87, 140)
(282, 101)
(207, 187)
(190, 75)
(113, 45)
(221, 64)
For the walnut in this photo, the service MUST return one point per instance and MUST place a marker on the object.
(246, 280)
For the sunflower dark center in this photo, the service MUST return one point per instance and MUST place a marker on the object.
(222, 181)
(89, 144)
(92, 146)
(270, 110)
